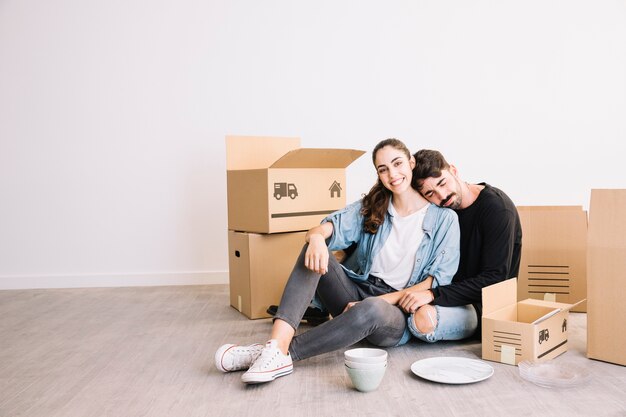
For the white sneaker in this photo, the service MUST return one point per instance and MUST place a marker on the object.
(271, 364)
(231, 357)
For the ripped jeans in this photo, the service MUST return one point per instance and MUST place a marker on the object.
(453, 323)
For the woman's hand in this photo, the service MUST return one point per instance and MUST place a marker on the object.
(350, 305)
(412, 300)
(316, 256)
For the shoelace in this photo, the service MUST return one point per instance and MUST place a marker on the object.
(245, 354)
(267, 356)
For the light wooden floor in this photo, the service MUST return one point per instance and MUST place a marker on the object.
(149, 352)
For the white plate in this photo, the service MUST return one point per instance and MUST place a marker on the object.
(452, 370)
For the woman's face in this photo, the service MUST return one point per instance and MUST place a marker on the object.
(394, 169)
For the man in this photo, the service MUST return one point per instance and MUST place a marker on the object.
(491, 237)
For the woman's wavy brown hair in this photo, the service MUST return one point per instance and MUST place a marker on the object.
(374, 204)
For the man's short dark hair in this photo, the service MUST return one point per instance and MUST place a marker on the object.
(428, 163)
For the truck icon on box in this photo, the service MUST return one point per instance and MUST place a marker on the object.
(283, 189)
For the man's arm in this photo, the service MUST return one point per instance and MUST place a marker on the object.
(499, 230)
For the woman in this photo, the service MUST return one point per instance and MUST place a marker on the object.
(404, 246)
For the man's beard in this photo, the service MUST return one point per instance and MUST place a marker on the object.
(457, 202)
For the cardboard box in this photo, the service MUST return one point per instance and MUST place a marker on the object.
(259, 266)
(276, 186)
(512, 331)
(606, 276)
(553, 266)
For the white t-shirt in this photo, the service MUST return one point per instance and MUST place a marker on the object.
(395, 261)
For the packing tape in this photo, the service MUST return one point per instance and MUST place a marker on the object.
(549, 296)
(239, 303)
(507, 354)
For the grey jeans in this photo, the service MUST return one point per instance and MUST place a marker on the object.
(374, 319)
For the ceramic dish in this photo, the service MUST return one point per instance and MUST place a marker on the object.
(452, 370)
(368, 355)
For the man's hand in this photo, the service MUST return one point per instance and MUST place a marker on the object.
(413, 300)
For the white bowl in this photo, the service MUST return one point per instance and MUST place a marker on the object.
(366, 380)
(365, 365)
(366, 355)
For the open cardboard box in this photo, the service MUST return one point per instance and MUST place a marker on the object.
(553, 266)
(513, 331)
(276, 186)
(606, 276)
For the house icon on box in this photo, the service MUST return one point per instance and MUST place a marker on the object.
(335, 190)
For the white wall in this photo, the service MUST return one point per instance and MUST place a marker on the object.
(113, 113)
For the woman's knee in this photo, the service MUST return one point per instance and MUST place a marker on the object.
(370, 311)
(374, 307)
(387, 322)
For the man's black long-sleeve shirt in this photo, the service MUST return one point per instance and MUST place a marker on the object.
(491, 245)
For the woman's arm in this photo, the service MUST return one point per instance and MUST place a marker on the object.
(316, 256)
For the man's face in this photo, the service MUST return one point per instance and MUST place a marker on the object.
(444, 191)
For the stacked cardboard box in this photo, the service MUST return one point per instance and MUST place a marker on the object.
(259, 265)
(276, 191)
(554, 254)
(606, 273)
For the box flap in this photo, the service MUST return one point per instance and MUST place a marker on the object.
(553, 232)
(318, 158)
(552, 304)
(499, 295)
(256, 152)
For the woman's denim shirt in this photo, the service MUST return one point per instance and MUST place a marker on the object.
(436, 256)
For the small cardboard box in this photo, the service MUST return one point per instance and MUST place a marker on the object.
(512, 331)
(554, 254)
(606, 276)
(259, 266)
(274, 186)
